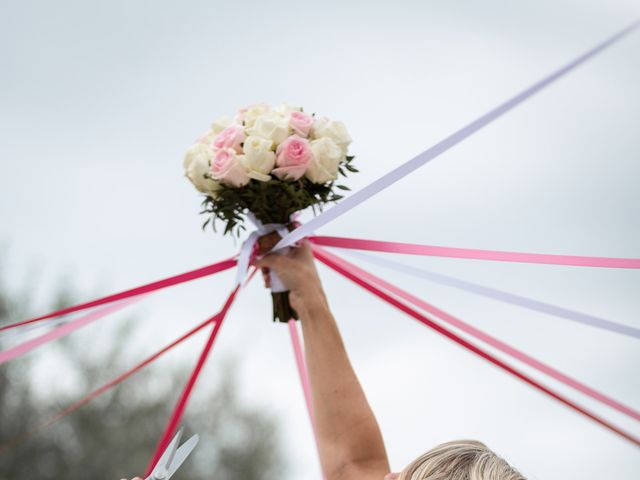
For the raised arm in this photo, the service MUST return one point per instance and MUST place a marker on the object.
(350, 442)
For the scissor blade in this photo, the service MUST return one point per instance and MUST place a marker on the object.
(168, 454)
(181, 454)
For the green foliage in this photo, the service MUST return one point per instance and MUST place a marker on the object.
(271, 202)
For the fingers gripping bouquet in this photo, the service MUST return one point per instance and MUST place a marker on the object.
(266, 164)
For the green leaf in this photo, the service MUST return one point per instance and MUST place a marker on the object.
(271, 202)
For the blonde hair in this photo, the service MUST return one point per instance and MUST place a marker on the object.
(460, 460)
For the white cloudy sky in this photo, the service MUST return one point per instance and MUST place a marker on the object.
(100, 99)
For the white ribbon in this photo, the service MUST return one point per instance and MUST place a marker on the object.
(244, 257)
(499, 295)
(406, 168)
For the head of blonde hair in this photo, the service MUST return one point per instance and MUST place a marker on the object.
(460, 460)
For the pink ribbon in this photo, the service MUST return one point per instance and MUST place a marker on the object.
(64, 330)
(148, 288)
(302, 370)
(495, 294)
(475, 254)
(108, 386)
(488, 339)
(352, 275)
(304, 381)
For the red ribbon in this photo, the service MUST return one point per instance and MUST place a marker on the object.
(107, 386)
(150, 287)
(180, 407)
(470, 253)
(348, 273)
(485, 337)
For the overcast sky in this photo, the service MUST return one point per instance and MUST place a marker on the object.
(99, 100)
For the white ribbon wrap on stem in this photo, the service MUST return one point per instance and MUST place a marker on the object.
(246, 250)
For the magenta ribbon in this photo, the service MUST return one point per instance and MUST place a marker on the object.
(148, 288)
(108, 386)
(344, 269)
(181, 405)
(488, 339)
(474, 254)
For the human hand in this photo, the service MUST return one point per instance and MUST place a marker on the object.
(297, 271)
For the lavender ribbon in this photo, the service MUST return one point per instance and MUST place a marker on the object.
(405, 169)
(499, 295)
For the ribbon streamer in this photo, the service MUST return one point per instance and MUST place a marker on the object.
(340, 266)
(302, 370)
(488, 339)
(304, 381)
(180, 407)
(468, 345)
(475, 254)
(248, 248)
(107, 386)
(499, 295)
(244, 257)
(148, 288)
(406, 168)
(23, 330)
(64, 330)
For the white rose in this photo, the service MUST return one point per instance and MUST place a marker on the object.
(327, 156)
(259, 159)
(250, 114)
(332, 129)
(207, 137)
(271, 126)
(285, 109)
(196, 165)
(220, 124)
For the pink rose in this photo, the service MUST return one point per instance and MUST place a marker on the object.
(230, 137)
(293, 157)
(226, 167)
(301, 123)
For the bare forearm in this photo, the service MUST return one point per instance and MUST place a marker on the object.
(347, 429)
(350, 442)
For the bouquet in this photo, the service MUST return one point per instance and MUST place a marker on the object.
(266, 164)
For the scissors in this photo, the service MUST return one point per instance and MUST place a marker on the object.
(173, 457)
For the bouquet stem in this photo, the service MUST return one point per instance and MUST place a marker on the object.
(282, 310)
